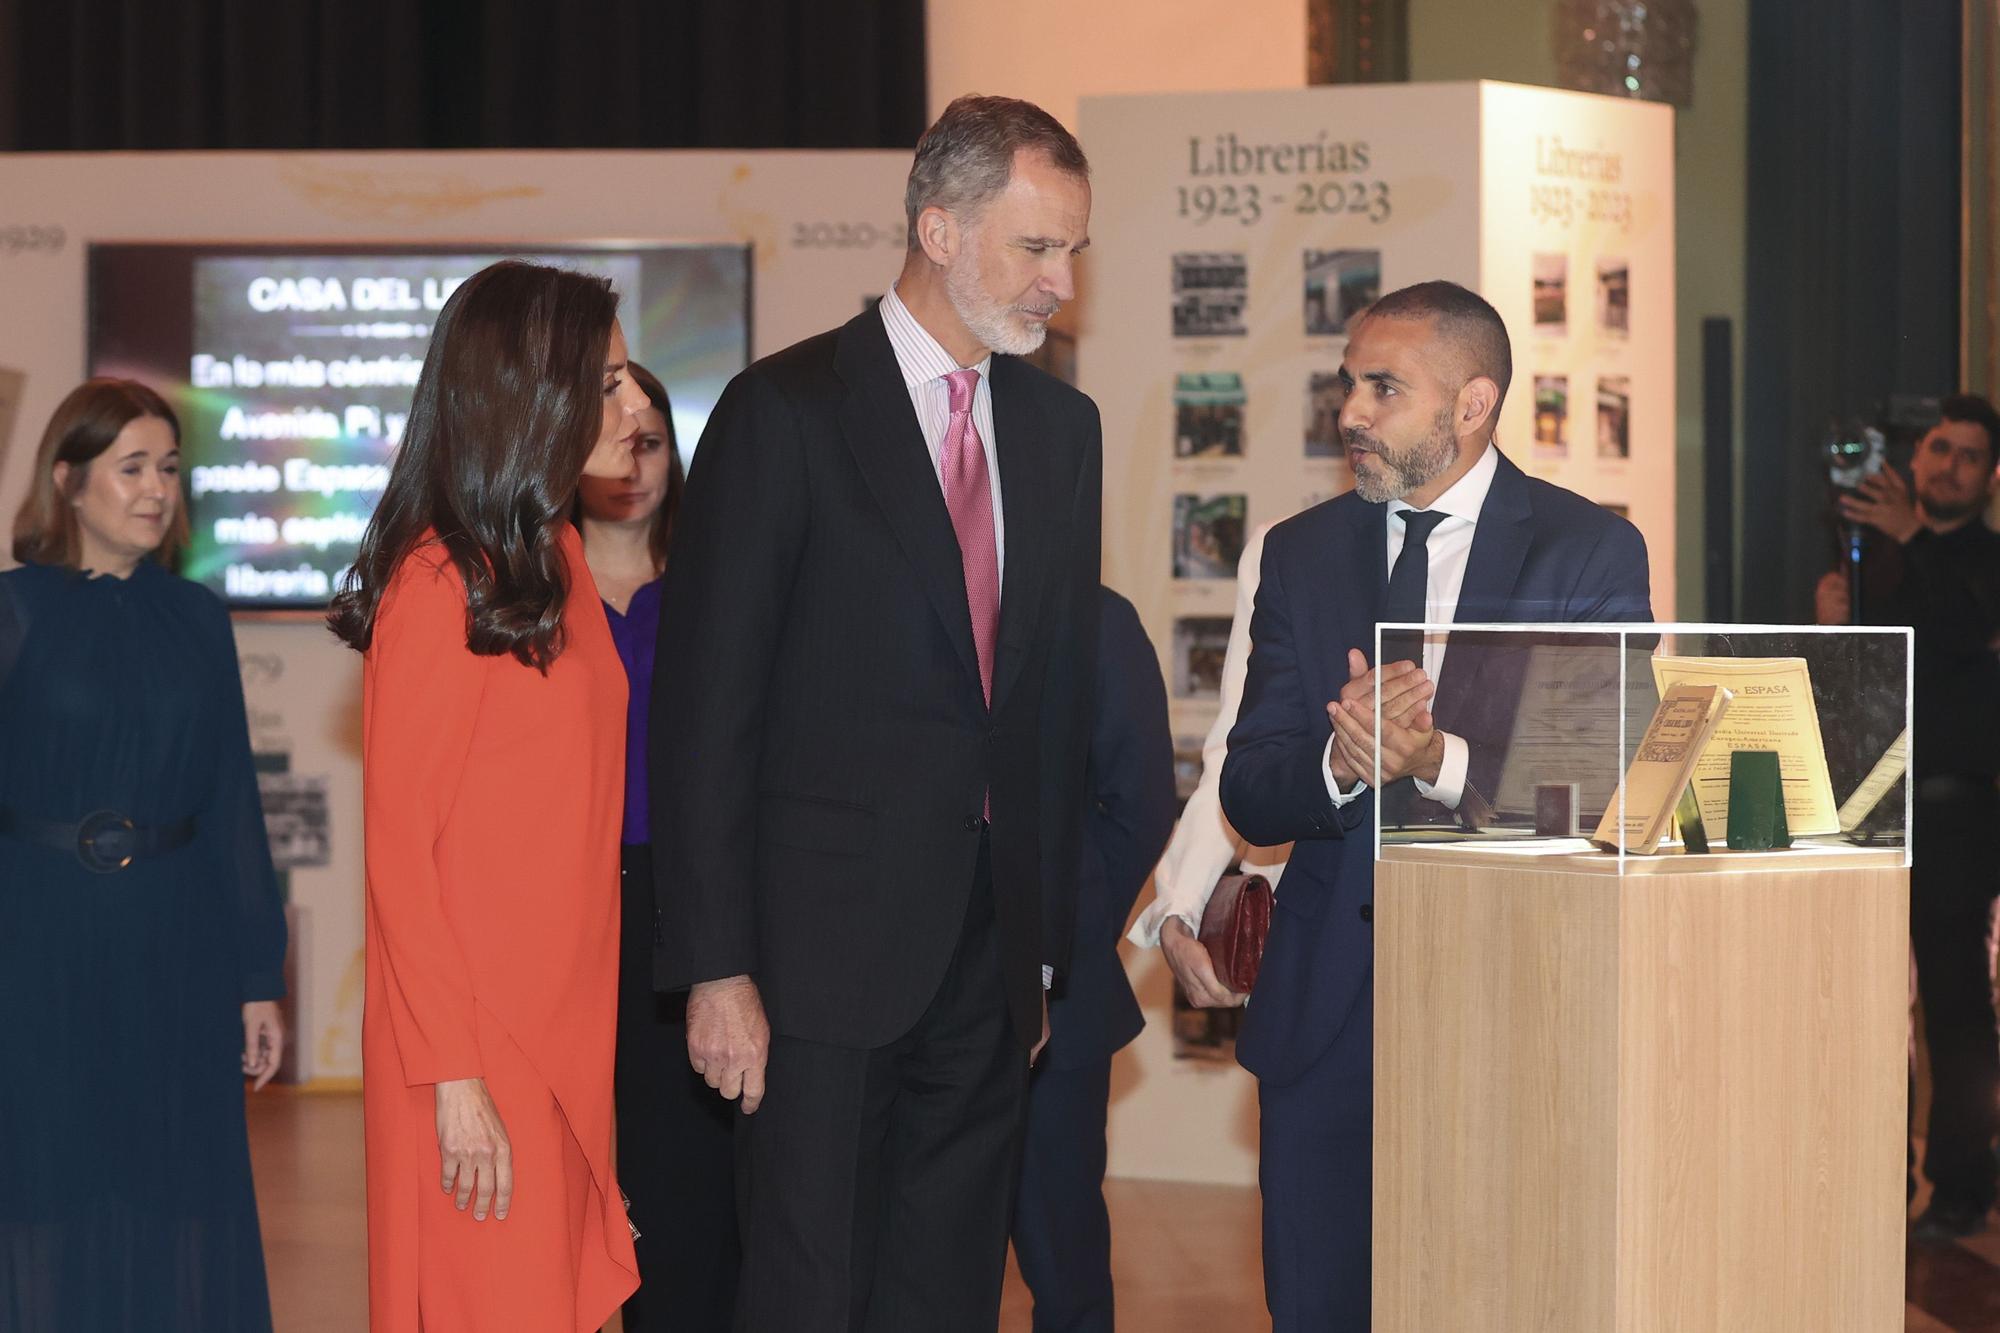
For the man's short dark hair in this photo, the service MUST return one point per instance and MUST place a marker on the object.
(1465, 319)
(1971, 407)
(967, 157)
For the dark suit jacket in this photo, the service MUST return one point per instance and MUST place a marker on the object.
(1130, 813)
(821, 747)
(1539, 553)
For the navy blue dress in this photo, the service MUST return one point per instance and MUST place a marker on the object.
(125, 1194)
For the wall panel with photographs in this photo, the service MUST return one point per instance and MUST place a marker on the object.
(1268, 222)
(1577, 253)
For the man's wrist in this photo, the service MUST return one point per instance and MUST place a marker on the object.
(1431, 767)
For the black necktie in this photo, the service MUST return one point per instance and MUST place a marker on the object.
(1408, 583)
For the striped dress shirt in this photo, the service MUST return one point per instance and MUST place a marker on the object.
(924, 364)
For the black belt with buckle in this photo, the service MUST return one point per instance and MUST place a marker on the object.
(104, 842)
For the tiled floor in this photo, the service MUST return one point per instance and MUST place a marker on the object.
(1186, 1255)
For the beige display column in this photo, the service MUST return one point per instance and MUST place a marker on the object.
(1668, 1102)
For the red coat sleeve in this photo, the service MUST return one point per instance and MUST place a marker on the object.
(421, 710)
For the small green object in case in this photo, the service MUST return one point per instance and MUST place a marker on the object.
(1756, 802)
(1694, 837)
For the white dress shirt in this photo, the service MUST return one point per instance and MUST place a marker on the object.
(1449, 548)
(924, 364)
(1204, 844)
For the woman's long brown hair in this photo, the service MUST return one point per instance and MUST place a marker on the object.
(506, 410)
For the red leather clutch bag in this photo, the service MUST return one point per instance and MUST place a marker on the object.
(1234, 927)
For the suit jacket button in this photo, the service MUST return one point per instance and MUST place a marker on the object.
(972, 823)
(1368, 912)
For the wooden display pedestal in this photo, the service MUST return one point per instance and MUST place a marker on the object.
(1671, 1101)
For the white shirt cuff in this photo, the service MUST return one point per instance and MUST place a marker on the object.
(1048, 976)
(1449, 789)
(1333, 790)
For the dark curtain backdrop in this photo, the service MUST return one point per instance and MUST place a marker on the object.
(289, 74)
(1853, 259)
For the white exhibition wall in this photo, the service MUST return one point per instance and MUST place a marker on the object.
(1236, 233)
(825, 231)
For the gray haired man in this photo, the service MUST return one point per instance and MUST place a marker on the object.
(870, 715)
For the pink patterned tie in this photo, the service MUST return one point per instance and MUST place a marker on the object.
(968, 494)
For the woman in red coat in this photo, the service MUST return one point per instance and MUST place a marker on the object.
(493, 770)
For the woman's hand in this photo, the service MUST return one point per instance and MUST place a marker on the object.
(478, 1160)
(263, 1041)
(1188, 958)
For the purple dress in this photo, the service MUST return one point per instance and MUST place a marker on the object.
(636, 631)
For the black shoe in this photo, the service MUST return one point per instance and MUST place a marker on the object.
(1945, 1221)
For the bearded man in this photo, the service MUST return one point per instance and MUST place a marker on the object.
(871, 710)
(1440, 527)
(1934, 565)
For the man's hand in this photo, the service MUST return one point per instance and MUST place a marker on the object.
(1194, 969)
(1831, 603)
(729, 1038)
(1883, 503)
(1410, 743)
(1036, 1054)
(1410, 748)
(473, 1148)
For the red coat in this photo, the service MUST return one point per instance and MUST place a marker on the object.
(492, 798)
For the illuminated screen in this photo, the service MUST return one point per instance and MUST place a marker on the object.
(291, 371)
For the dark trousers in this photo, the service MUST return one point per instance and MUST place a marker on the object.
(1952, 887)
(675, 1137)
(1062, 1233)
(1316, 1170)
(876, 1185)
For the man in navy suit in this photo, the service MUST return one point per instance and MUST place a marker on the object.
(1062, 1234)
(1440, 528)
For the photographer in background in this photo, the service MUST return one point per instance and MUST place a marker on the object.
(1939, 573)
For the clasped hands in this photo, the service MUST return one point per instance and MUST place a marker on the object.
(1411, 744)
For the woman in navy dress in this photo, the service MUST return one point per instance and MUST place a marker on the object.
(141, 934)
(674, 1133)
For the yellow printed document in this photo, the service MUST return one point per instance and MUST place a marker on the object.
(1771, 708)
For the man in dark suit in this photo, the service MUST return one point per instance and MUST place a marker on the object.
(871, 707)
(1062, 1233)
(1440, 528)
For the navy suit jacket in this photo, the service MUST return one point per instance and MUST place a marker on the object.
(1130, 784)
(1539, 553)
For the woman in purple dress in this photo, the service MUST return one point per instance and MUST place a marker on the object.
(674, 1133)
